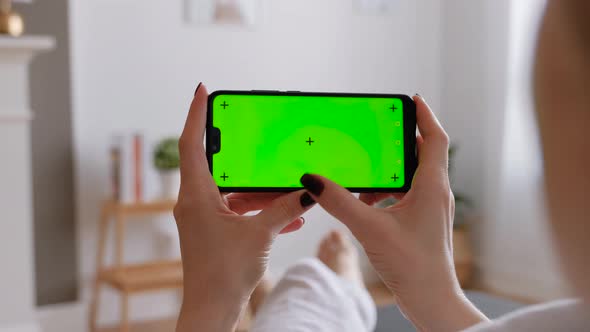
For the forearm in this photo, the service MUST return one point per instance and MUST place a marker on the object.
(440, 306)
(210, 301)
(201, 319)
(457, 314)
(574, 15)
(451, 313)
(565, 36)
(562, 68)
(207, 310)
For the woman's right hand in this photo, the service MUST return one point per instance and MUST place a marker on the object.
(410, 243)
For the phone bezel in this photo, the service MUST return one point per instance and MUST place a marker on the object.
(409, 120)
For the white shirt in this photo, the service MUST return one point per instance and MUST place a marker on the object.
(565, 315)
(312, 298)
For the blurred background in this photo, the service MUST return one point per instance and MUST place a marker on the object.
(93, 95)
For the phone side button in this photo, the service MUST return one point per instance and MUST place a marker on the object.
(265, 91)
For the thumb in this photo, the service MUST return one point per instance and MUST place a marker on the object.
(340, 203)
(283, 210)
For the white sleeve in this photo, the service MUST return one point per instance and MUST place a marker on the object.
(312, 298)
(565, 315)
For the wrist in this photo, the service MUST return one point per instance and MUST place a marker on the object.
(458, 313)
(208, 318)
(449, 312)
(439, 306)
(210, 309)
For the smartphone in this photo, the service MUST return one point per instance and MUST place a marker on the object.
(264, 141)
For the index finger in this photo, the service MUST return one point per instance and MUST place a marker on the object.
(340, 203)
(434, 147)
(374, 198)
(241, 203)
(194, 169)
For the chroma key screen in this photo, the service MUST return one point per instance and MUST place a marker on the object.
(270, 141)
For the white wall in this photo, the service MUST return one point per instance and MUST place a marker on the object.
(17, 303)
(487, 110)
(136, 65)
(464, 91)
(521, 220)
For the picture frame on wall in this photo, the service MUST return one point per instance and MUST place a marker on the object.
(228, 12)
(376, 6)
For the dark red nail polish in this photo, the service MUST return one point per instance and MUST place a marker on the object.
(312, 184)
(306, 200)
(198, 86)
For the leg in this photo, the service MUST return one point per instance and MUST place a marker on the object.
(95, 301)
(339, 254)
(322, 294)
(124, 312)
(260, 293)
(119, 238)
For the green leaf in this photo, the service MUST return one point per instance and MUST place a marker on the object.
(167, 155)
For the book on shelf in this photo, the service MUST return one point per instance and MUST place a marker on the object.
(128, 161)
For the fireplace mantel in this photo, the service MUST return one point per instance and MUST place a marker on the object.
(17, 304)
(30, 43)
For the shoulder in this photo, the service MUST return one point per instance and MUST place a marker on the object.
(564, 315)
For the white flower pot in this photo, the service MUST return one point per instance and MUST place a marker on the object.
(170, 184)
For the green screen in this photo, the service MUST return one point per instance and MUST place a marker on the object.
(270, 141)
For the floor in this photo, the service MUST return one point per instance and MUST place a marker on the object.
(380, 294)
(167, 325)
(153, 326)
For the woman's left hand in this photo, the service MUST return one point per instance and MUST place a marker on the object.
(224, 253)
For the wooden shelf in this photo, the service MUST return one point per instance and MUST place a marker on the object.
(152, 276)
(164, 325)
(144, 277)
(129, 279)
(463, 257)
(139, 208)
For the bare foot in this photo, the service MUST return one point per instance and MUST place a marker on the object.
(264, 288)
(339, 254)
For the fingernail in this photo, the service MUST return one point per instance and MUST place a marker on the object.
(312, 184)
(302, 220)
(306, 200)
(198, 86)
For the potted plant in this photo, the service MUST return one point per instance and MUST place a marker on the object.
(167, 162)
(462, 249)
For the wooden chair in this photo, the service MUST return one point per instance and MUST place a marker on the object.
(129, 279)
